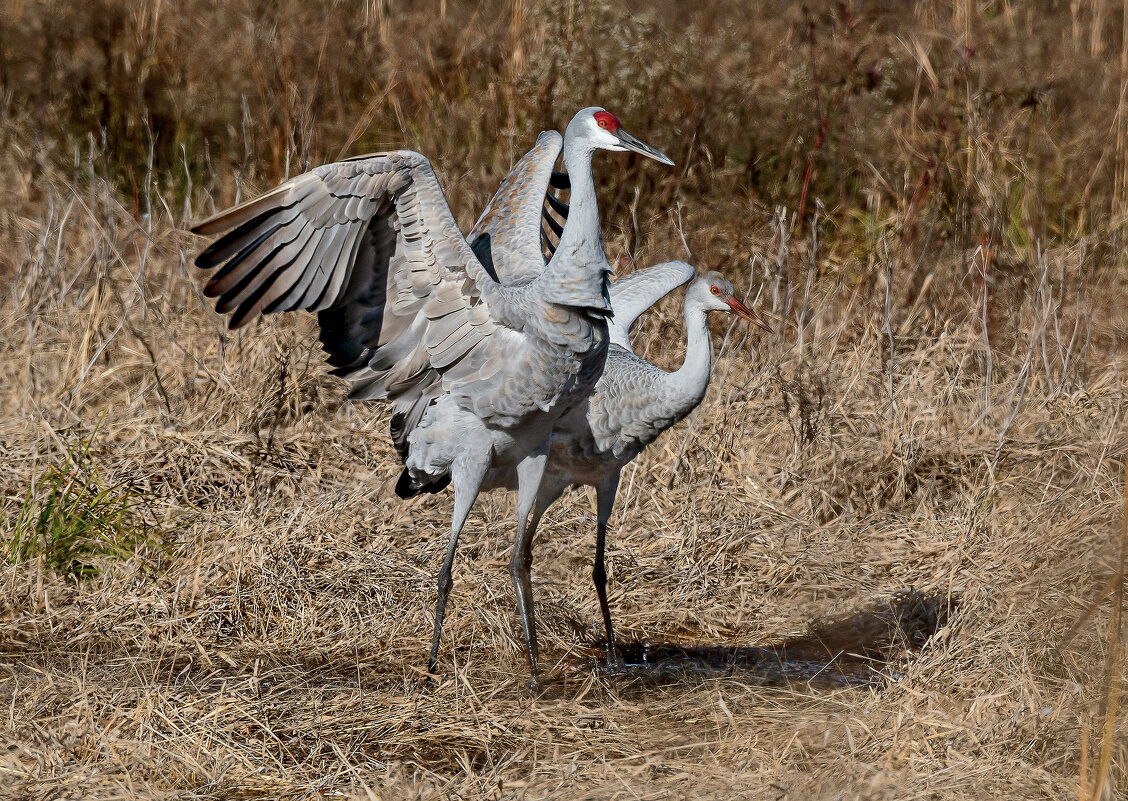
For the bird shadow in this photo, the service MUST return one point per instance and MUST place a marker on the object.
(858, 649)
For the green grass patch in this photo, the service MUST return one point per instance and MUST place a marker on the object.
(71, 517)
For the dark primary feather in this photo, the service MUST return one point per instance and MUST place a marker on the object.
(371, 246)
(553, 225)
(557, 205)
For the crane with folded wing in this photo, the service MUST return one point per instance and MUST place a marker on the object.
(633, 403)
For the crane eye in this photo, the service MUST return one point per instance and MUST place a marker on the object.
(602, 124)
(716, 290)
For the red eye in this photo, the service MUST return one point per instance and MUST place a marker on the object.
(607, 120)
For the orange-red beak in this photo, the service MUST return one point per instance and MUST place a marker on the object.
(740, 310)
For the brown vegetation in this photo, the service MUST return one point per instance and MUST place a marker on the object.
(209, 590)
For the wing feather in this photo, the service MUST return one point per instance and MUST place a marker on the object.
(556, 227)
(273, 291)
(508, 234)
(330, 241)
(281, 197)
(635, 293)
(371, 245)
(557, 205)
(285, 244)
(325, 284)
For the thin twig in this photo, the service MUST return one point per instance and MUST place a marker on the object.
(888, 327)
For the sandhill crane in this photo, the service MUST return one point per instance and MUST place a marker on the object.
(506, 238)
(632, 404)
(526, 195)
(478, 369)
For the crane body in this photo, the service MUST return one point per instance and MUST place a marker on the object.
(633, 403)
(478, 369)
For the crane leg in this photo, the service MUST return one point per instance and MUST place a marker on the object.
(529, 474)
(605, 502)
(552, 486)
(467, 474)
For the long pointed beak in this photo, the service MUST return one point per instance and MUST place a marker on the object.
(630, 143)
(740, 310)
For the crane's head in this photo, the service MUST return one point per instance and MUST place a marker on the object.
(713, 292)
(601, 129)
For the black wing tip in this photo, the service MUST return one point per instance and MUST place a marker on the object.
(405, 487)
(344, 363)
(237, 321)
(208, 258)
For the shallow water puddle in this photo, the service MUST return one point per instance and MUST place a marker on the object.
(848, 651)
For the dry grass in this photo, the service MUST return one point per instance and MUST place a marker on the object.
(945, 409)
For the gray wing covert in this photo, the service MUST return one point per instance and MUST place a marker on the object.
(625, 412)
(508, 235)
(370, 244)
(633, 294)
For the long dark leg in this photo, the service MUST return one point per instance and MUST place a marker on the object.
(529, 474)
(468, 475)
(605, 502)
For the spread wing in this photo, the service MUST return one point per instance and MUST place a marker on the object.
(524, 218)
(371, 245)
(635, 293)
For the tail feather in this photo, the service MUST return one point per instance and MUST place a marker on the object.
(409, 486)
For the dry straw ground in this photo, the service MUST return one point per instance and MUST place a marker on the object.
(209, 590)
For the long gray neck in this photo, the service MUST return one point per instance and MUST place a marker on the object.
(577, 273)
(686, 386)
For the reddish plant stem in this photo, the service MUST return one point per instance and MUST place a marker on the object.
(824, 123)
(920, 194)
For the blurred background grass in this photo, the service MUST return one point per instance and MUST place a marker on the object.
(958, 123)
